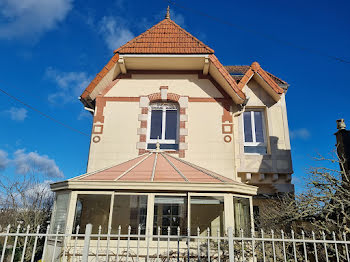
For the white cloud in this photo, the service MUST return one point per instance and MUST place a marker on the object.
(177, 18)
(31, 18)
(301, 133)
(84, 114)
(70, 85)
(32, 162)
(114, 31)
(40, 189)
(17, 113)
(3, 159)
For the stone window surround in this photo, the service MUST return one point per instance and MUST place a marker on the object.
(164, 96)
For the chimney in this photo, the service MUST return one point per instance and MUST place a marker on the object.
(343, 145)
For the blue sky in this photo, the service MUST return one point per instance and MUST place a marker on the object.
(51, 49)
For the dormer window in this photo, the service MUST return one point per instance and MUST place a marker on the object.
(163, 126)
(254, 132)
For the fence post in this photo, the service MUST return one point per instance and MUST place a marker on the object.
(230, 245)
(88, 230)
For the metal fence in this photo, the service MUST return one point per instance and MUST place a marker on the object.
(26, 244)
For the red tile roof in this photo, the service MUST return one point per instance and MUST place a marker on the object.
(166, 37)
(156, 167)
(238, 71)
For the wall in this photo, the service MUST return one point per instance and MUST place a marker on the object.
(271, 172)
(123, 113)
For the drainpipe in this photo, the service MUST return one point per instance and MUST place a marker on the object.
(90, 110)
(238, 113)
(243, 105)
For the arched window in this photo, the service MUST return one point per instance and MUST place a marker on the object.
(163, 126)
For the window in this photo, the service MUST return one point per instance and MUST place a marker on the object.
(170, 212)
(254, 132)
(163, 126)
(129, 210)
(241, 208)
(92, 209)
(60, 213)
(207, 212)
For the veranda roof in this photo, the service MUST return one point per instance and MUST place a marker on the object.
(156, 167)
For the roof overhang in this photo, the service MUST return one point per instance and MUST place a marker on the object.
(121, 64)
(260, 80)
(238, 188)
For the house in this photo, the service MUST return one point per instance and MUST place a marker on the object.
(178, 141)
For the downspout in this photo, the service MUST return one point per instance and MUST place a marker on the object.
(242, 109)
(236, 114)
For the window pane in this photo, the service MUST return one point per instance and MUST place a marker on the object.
(255, 150)
(207, 212)
(171, 124)
(60, 214)
(156, 124)
(242, 215)
(129, 210)
(258, 126)
(92, 209)
(170, 212)
(248, 136)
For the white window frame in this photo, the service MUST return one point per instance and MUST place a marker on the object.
(252, 119)
(162, 139)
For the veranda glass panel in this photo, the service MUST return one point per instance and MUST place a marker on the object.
(170, 212)
(92, 209)
(60, 213)
(129, 210)
(242, 215)
(207, 212)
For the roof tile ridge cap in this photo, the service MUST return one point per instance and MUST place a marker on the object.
(257, 69)
(131, 168)
(102, 169)
(202, 169)
(246, 78)
(239, 92)
(154, 166)
(176, 169)
(192, 36)
(137, 37)
(270, 74)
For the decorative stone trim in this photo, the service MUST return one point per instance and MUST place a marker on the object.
(248, 176)
(227, 139)
(261, 177)
(274, 177)
(97, 129)
(163, 95)
(227, 128)
(96, 139)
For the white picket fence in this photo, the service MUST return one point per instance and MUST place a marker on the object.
(26, 244)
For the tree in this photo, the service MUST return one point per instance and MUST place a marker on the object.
(324, 205)
(25, 201)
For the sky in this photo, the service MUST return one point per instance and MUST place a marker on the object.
(51, 50)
